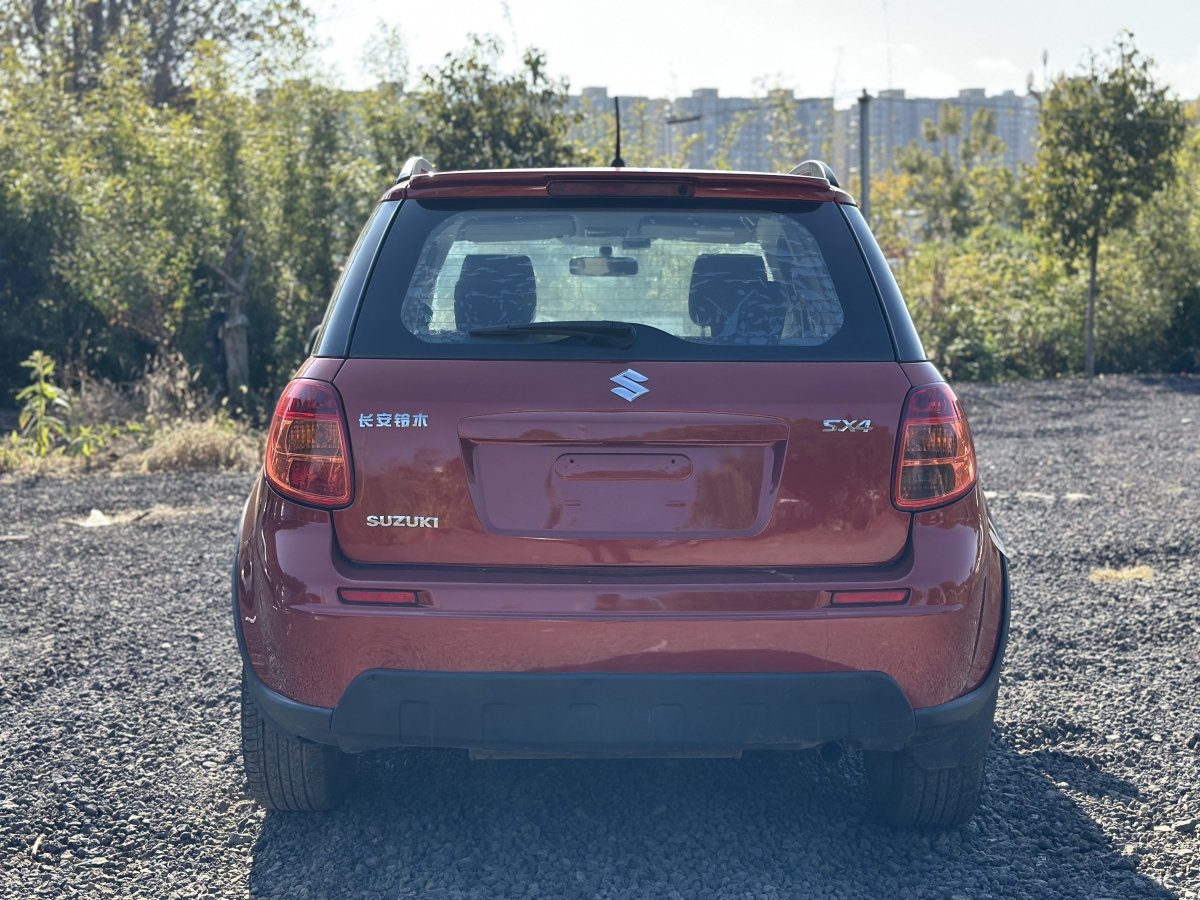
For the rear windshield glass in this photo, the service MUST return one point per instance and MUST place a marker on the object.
(785, 281)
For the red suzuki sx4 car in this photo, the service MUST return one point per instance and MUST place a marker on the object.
(613, 462)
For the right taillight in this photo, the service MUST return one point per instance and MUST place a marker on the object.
(307, 458)
(936, 459)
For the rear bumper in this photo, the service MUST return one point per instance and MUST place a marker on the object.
(601, 714)
(306, 643)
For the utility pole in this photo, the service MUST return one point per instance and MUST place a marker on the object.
(864, 153)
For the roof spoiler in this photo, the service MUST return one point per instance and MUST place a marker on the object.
(576, 182)
(814, 168)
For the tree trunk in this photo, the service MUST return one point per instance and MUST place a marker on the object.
(38, 15)
(234, 334)
(95, 15)
(237, 344)
(1090, 327)
(166, 55)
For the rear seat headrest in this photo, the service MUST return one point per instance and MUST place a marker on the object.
(494, 289)
(731, 295)
(719, 280)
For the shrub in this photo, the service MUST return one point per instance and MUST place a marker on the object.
(998, 304)
(992, 306)
(169, 425)
(13, 453)
(214, 444)
(43, 405)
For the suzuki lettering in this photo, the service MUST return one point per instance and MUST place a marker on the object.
(402, 521)
(630, 385)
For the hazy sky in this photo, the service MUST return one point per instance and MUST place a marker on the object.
(928, 47)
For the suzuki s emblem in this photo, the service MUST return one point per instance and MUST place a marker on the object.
(630, 385)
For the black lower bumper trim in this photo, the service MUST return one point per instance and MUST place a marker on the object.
(618, 713)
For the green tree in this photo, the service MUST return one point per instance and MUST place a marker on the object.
(312, 184)
(68, 40)
(216, 228)
(683, 140)
(38, 128)
(1165, 242)
(642, 122)
(952, 195)
(474, 116)
(1107, 142)
(940, 188)
(142, 208)
(729, 134)
(595, 133)
(789, 141)
(993, 305)
(386, 111)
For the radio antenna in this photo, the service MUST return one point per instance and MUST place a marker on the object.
(617, 162)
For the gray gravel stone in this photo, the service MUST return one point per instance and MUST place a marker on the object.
(120, 775)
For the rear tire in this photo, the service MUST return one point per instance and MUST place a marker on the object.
(283, 772)
(908, 795)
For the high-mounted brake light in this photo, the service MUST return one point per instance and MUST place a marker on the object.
(936, 459)
(608, 188)
(307, 457)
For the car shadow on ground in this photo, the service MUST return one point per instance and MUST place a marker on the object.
(432, 823)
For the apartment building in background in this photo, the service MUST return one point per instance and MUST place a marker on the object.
(747, 131)
(767, 133)
(896, 121)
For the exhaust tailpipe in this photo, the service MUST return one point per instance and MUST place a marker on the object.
(831, 752)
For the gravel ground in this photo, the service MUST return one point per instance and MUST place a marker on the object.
(120, 773)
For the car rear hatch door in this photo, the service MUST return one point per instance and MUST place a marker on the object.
(662, 463)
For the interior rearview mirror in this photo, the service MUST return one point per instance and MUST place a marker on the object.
(604, 264)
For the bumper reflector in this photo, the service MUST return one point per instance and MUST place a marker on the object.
(380, 598)
(846, 598)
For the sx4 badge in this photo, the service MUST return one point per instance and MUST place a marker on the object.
(863, 425)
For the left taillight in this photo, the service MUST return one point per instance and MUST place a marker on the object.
(307, 452)
(936, 458)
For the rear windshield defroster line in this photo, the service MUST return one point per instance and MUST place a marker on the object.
(453, 252)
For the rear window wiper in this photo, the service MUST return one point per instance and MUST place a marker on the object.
(621, 334)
